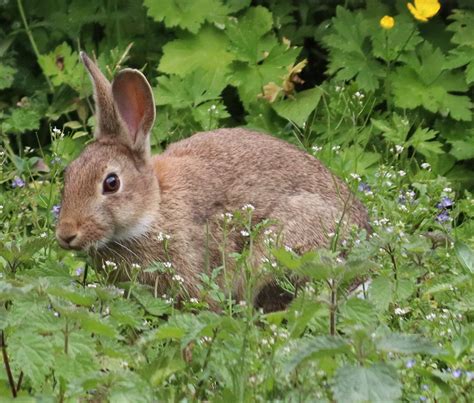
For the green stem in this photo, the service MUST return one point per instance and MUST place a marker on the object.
(32, 40)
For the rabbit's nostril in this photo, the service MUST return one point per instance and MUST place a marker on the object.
(70, 238)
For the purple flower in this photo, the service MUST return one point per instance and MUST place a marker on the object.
(18, 182)
(56, 161)
(423, 398)
(410, 363)
(443, 216)
(457, 373)
(79, 271)
(445, 203)
(363, 187)
(55, 210)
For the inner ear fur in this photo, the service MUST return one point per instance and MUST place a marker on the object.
(133, 98)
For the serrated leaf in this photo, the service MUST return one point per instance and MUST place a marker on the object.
(406, 344)
(21, 120)
(246, 32)
(297, 109)
(189, 15)
(32, 354)
(465, 256)
(381, 292)
(76, 296)
(377, 383)
(358, 311)
(7, 74)
(207, 51)
(126, 312)
(155, 306)
(315, 347)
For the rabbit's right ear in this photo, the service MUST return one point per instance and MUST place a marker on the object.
(107, 123)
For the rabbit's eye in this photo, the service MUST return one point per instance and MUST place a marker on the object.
(111, 184)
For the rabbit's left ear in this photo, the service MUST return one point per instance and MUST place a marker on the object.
(135, 105)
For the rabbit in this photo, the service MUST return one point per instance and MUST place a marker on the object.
(124, 205)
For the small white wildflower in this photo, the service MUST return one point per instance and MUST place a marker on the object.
(242, 303)
(339, 88)
(110, 264)
(124, 364)
(178, 279)
(359, 95)
(431, 316)
(244, 233)
(264, 342)
(425, 165)
(336, 148)
(447, 190)
(400, 311)
(388, 183)
(227, 216)
(355, 176)
(167, 265)
(402, 173)
(161, 237)
(331, 234)
(135, 266)
(43, 235)
(248, 207)
(399, 149)
(288, 248)
(107, 311)
(92, 285)
(402, 207)
(56, 314)
(56, 131)
(193, 300)
(405, 122)
(316, 149)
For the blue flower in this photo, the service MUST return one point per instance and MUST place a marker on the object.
(423, 398)
(457, 373)
(443, 216)
(410, 363)
(445, 203)
(18, 182)
(363, 187)
(55, 210)
(79, 271)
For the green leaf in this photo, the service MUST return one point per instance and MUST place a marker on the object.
(76, 296)
(315, 347)
(377, 383)
(155, 306)
(381, 292)
(189, 15)
(32, 354)
(22, 120)
(7, 74)
(356, 311)
(297, 109)
(465, 256)
(245, 34)
(406, 344)
(207, 51)
(462, 27)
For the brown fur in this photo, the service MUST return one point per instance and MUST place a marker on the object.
(186, 190)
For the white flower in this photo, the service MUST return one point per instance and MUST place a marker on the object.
(161, 237)
(248, 207)
(43, 235)
(178, 279)
(135, 266)
(193, 300)
(56, 130)
(400, 311)
(242, 303)
(227, 216)
(92, 285)
(399, 149)
(402, 173)
(425, 165)
(244, 233)
(167, 265)
(355, 176)
(359, 95)
(431, 316)
(447, 190)
(336, 148)
(110, 265)
(288, 248)
(316, 148)
(339, 88)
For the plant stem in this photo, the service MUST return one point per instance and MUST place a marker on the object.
(32, 40)
(7, 364)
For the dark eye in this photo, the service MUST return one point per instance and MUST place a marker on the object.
(111, 184)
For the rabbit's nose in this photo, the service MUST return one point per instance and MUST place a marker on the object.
(66, 236)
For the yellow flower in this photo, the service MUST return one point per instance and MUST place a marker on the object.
(424, 9)
(387, 22)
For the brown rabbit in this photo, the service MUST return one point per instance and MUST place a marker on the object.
(119, 202)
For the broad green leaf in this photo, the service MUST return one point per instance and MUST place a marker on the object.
(314, 347)
(381, 292)
(465, 256)
(33, 354)
(377, 383)
(77, 296)
(189, 15)
(297, 109)
(246, 32)
(21, 120)
(155, 306)
(406, 344)
(126, 312)
(7, 74)
(207, 51)
(462, 27)
(357, 311)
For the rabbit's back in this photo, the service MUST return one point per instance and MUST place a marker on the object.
(222, 170)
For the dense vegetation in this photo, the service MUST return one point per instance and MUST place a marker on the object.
(380, 92)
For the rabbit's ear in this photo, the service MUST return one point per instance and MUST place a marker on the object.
(135, 104)
(106, 118)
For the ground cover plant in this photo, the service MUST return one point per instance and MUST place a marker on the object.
(378, 90)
